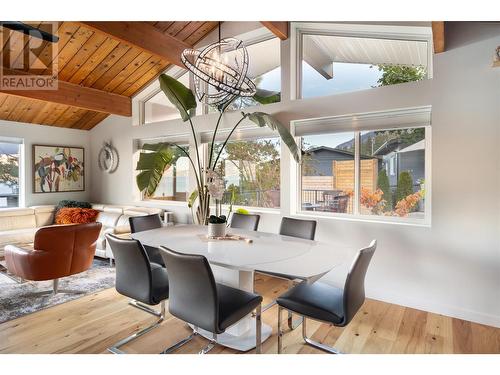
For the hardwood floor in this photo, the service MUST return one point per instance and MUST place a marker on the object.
(94, 322)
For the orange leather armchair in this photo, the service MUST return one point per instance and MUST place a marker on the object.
(59, 251)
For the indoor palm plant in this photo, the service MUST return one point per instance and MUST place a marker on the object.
(155, 159)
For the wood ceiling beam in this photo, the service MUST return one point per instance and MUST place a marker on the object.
(438, 36)
(76, 96)
(278, 28)
(143, 36)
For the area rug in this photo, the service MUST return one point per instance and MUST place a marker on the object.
(18, 299)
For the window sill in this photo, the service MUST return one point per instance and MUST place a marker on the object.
(364, 219)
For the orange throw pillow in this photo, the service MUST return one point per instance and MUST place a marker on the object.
(75, 215)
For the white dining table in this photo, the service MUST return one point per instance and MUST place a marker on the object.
(235, 261)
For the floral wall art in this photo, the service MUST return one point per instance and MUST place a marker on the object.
(58, 169)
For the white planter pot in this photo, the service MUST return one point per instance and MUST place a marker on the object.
(216, 230)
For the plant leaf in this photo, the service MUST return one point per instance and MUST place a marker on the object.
(267, 97)
(152, 163)
(178, 94)
(192, 198)
(263, 119)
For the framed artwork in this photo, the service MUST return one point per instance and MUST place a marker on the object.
(58, 169)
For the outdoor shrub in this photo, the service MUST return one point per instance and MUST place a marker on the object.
(384, 186)
(405, 186)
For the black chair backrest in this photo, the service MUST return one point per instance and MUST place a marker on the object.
(305, 229)
(142, 223)
(133, 270)
(354, 289)
(193, 291)
(242, 221)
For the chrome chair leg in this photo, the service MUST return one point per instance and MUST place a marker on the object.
(180, 343)
(292, 324)
(316, 344)
(269, 305)
(258, 329)
(280, 331)
(210, 345)
(115, 349)
(146, 308)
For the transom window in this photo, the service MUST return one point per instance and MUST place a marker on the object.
(159, 108)
(343, 58)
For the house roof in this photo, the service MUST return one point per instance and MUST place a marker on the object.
(420, 145)
(338, 151)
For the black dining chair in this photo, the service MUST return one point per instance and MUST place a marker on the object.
(143, 223)
(138, 278)
(305, 229)
(245, 221)
(325, 303)
(197, 299)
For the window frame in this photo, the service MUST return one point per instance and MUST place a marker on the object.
(296, 176)
(299, 29)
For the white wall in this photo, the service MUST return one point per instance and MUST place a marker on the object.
(451, 268)
(49, 135)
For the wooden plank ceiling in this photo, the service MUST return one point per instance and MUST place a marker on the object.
(90, 58)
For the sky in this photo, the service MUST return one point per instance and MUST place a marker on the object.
(346, 77)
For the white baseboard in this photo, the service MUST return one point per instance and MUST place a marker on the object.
(447, 310)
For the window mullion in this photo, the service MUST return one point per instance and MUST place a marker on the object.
(357, 179)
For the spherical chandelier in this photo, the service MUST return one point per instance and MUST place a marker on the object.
(220, 72)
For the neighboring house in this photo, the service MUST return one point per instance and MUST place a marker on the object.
(320, 160)
(397, 158)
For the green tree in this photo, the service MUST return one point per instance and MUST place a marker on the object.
(405, 186)
(393, 74)
(258, 165)
(383, 184)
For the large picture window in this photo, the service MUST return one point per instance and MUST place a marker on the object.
(381, 172)
(251, 172)
(9, 174)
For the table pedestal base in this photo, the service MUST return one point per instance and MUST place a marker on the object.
(239, 341)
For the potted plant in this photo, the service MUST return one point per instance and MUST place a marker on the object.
(217, 226)
(155, 159)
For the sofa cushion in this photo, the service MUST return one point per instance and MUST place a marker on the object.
(44, 215)
(138, 211)
(115, 208)
(17, 218)
(16, 236)
(108, 219)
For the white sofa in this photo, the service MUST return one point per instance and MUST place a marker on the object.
(18, 225)
(115, 220)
